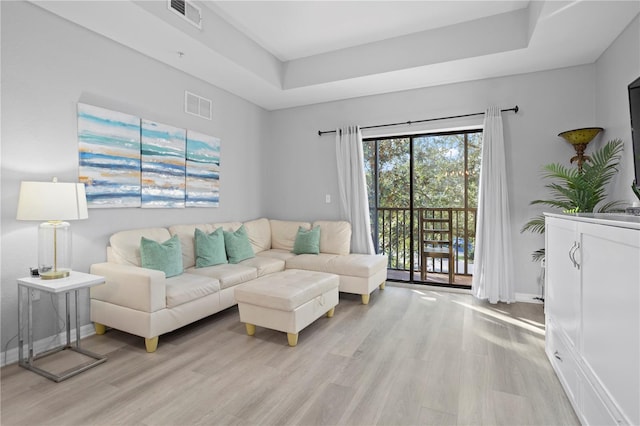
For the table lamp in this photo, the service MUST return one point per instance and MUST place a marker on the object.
(54, 202)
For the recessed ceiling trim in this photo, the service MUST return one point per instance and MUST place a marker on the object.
(230, 60)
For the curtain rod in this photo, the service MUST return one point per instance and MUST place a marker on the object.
(514, 109)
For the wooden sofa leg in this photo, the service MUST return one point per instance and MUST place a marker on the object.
(365, 299)
(100, 328)
(382, 285)
(331, 312)
(251, 329)
(292, 338)
(151, 344)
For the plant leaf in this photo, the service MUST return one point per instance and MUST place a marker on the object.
(538, 255)
(534, 225)
(573, 190)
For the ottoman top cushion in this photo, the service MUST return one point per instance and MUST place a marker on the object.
(286, 290)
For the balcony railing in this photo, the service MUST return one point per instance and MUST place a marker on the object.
(394, 236)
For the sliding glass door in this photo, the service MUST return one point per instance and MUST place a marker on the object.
(418, 185)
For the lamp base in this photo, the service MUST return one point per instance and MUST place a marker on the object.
(54, 275)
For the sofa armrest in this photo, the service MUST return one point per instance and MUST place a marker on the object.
(130, 286)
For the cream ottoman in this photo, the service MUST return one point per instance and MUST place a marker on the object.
(287, 301)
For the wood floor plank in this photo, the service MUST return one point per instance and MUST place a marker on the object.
(430, 417)
(412, 356)
(404, 400)
(327, 406)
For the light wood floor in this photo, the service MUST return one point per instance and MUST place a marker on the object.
(410, 357)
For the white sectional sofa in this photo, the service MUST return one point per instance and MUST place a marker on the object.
(144, 302)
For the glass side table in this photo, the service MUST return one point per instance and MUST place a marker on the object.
(75, 282)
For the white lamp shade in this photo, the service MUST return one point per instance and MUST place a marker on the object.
(52, 201)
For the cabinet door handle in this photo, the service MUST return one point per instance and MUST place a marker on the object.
(577, 264)
(557, 355)
(571, 251)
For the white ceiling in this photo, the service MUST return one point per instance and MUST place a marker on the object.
(280, 54)
(293, 30)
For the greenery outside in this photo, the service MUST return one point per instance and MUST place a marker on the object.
(439, 176)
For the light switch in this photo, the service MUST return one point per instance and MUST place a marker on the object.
(327, 198)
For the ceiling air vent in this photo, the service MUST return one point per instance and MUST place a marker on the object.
(187, 10)
(197, 105)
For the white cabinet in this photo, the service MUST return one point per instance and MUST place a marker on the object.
(592, 308)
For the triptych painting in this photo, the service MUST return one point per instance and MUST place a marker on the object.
(126, 161)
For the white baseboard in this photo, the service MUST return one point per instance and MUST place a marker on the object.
(39, 346)
(528, 298)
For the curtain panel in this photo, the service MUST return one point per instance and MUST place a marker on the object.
(354, 202)
(493, 269)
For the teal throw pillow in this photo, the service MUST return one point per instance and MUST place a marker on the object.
(165, 257)
(237, 245)
(307, 241)
(210, 249)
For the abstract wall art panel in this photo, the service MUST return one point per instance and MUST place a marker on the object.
(203, 170)
(126, 161)
(109, 157)
(163, 165)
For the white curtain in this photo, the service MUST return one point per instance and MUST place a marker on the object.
(493, 265)
(354, 203)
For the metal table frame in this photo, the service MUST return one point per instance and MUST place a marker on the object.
(75, 282)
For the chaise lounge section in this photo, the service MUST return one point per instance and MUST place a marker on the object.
(146, 303)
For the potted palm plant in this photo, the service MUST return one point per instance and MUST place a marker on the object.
(579, 190)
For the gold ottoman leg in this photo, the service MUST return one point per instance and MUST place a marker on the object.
(151, 344)
(292, 338)
(100, 328)
(382, 285)
(365, 299)
(331, 311)
(251, 329)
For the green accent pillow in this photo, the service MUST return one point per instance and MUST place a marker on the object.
(210, 249)
(165, 257)
(307, 241)
(237, 245)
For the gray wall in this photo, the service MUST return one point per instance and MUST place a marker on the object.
(618, 66)
(48, 66)
(302, 163)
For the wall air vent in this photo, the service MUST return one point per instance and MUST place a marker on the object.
(197, 105)
(187, 10)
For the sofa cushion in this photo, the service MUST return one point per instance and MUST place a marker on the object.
(307, 241)
(286, 290)
(356, 265)
(166, 256)
(311, 262)
(188, 287)
(283, 233)
(276, 254)
(335, 236)
(125, 245)
(227, 274)
(187, 242)
(259, 232)
(227, 226)
(237, 245)
(264, 265)
(210, 250)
